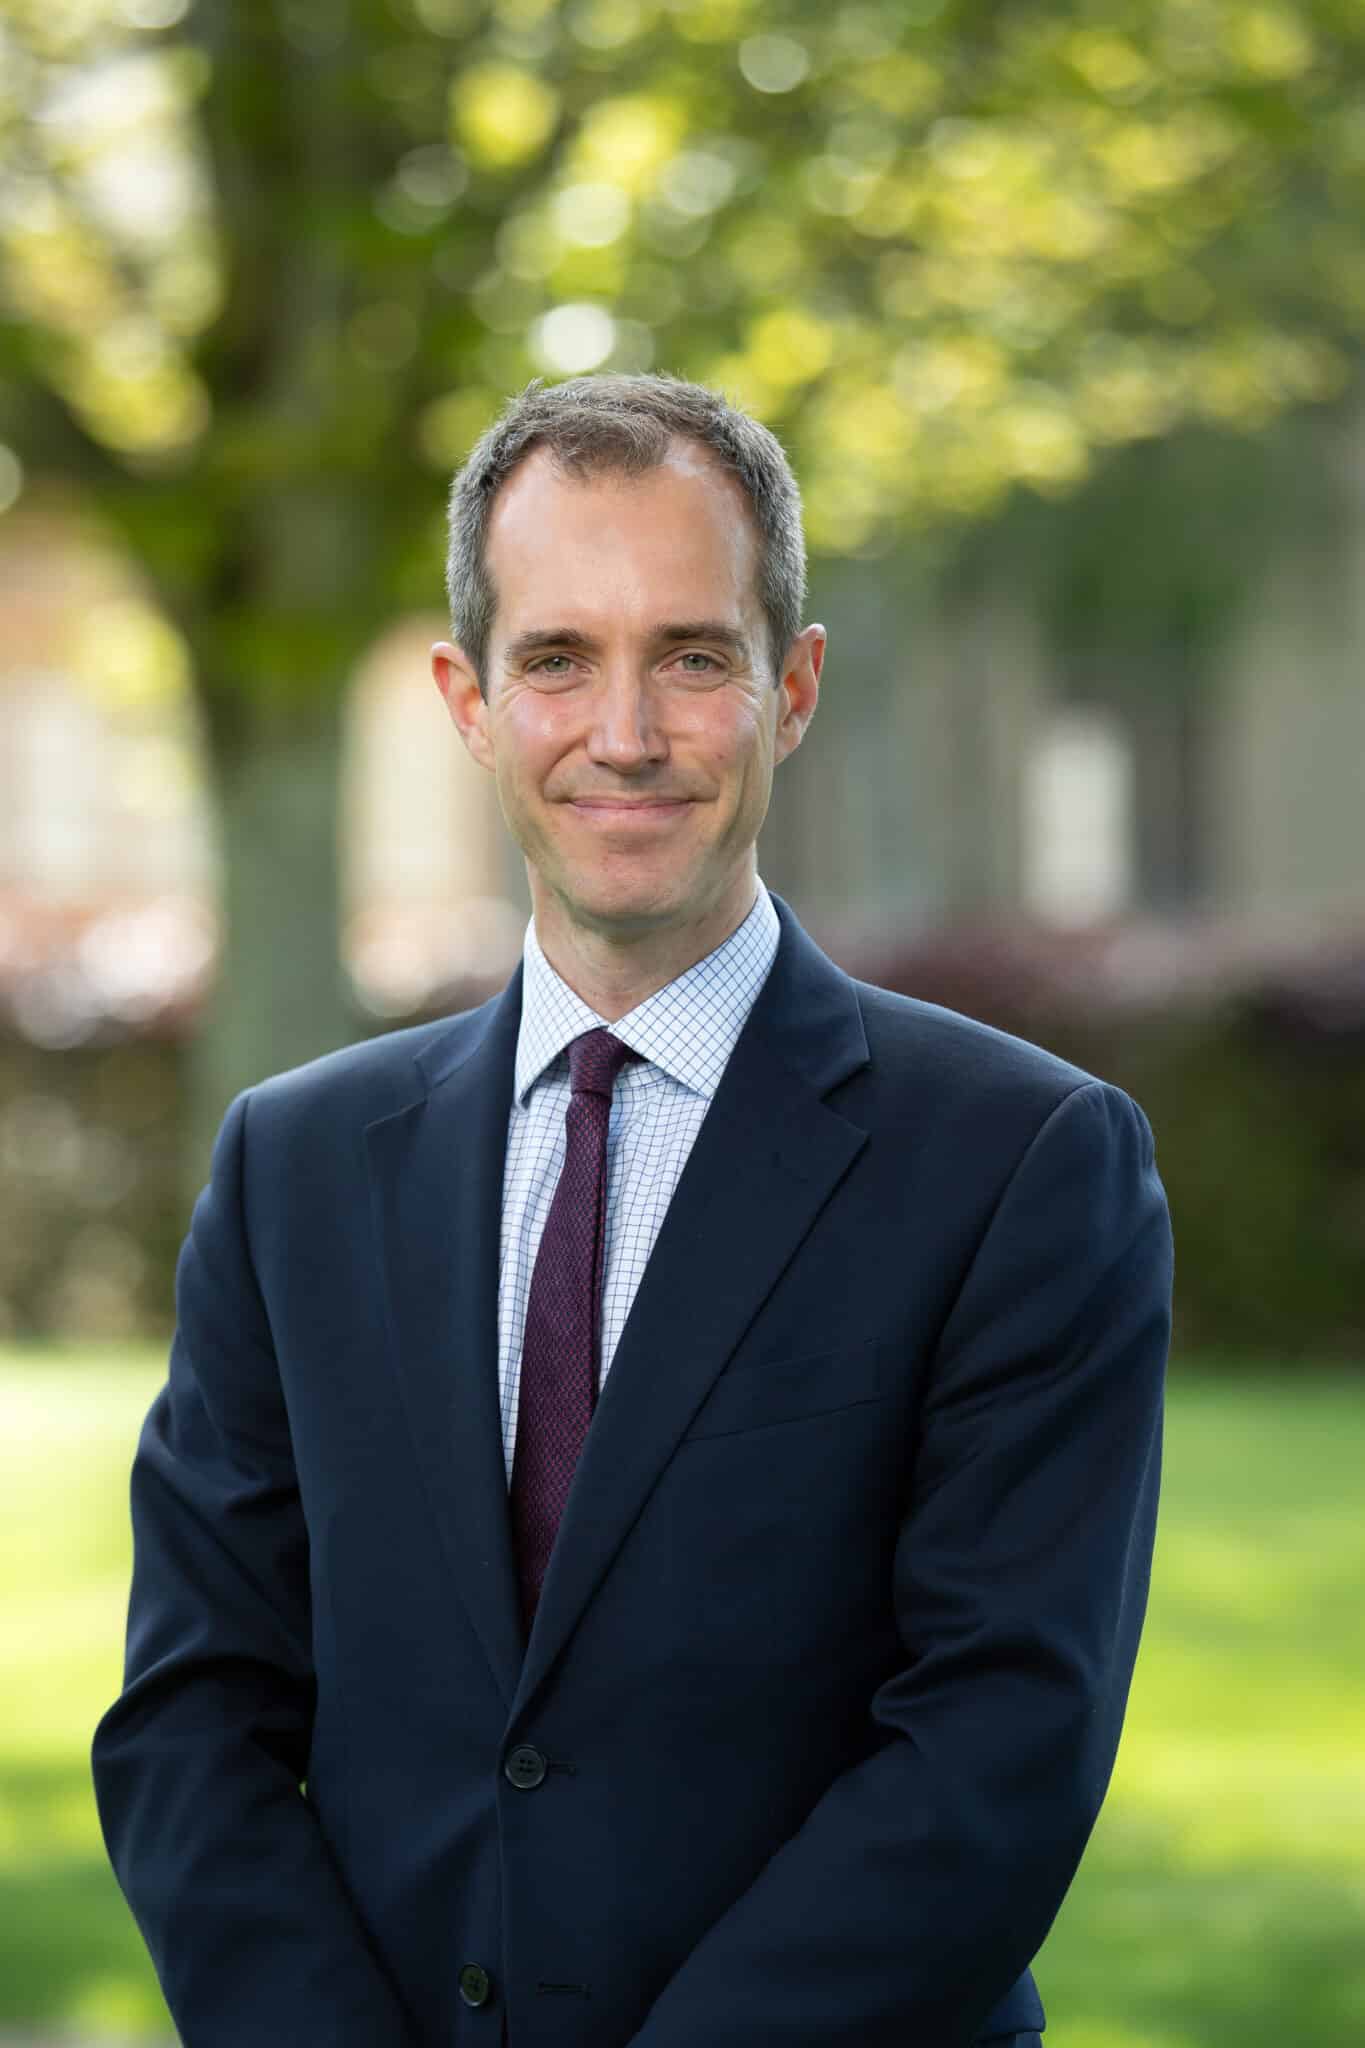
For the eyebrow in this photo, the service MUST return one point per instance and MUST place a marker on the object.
(540, 639)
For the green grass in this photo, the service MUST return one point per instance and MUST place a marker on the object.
(1221, 1903)
(1222, 1900)
(69, 1954)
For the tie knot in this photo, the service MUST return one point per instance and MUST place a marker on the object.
(595, 1060)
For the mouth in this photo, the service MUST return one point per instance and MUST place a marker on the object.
(618, 808)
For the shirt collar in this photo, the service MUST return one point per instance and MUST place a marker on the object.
(688, 1028)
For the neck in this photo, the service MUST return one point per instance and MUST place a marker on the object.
(612, 973)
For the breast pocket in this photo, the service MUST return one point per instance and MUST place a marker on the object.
(758, 1394)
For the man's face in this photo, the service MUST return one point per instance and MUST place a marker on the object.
(631, 716)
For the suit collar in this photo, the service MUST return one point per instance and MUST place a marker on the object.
(809, 1014)
(807, 1010)
(770, 1154)
(494, 1023)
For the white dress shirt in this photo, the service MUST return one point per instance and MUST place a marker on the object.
(684, 1033)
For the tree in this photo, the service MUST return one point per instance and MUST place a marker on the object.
(266, 268)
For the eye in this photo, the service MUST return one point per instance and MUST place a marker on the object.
(694, 662)
(552, 668)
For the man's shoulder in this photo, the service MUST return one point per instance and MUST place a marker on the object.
(918, 1045)
(373, 1078)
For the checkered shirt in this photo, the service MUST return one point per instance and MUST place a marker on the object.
(684, 1034)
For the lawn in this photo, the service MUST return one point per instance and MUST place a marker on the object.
(1221, 1904)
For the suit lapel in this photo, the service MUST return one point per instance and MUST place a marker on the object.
(436, 1181)
(769, 1155)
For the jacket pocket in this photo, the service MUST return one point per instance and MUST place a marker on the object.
(756, 1395)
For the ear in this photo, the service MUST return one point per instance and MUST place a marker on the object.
(798, 691)
(458, 682)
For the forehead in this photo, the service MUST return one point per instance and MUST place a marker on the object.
(682, 530)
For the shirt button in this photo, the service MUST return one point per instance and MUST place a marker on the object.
(476, 1986)
(525, 1767)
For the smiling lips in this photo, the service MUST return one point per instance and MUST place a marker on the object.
(630, 807)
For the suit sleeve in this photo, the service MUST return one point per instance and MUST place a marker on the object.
(925, 1878)
(200, 1763)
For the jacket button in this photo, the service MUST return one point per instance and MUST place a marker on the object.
(476, 1986)
(525, 1767)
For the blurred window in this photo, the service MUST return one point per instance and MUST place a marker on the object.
(425, 862)
(53, 740)
(1078, 824)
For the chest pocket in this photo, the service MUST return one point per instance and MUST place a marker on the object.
(759, 1393)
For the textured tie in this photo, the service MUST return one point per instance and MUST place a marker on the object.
(560, 1348)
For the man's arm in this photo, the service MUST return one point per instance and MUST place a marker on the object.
(198, 1765)
(924, 1880)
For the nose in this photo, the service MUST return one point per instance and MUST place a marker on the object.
(626, 731)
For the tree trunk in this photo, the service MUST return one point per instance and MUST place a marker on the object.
(280, 997)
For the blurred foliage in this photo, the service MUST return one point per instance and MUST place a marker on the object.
(1256, 1098)
(1261, 1145)
(280, 263)
(90, 1196)
(267, 267)
(1258, 1105)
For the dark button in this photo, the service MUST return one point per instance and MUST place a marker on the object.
(476, 1986)
(525, 1767)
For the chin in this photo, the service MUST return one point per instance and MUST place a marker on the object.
(628, 908)
(627, 914)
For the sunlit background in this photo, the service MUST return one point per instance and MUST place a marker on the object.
(1059, 310)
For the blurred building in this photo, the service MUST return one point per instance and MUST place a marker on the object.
(964, 767)
(961, 771)
(109, 862)
(98, 783)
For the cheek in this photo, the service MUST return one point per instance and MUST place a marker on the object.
(731, 739)
(530, 742)
(741, 754)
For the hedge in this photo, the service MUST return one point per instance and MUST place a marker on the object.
(1258, 1107)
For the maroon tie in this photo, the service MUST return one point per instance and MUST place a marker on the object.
(562, 1342)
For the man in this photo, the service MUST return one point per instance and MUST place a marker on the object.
(647, 1532)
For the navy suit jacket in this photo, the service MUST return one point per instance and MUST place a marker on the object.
(826, 1682)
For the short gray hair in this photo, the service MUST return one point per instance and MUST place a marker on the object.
(624, 424)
